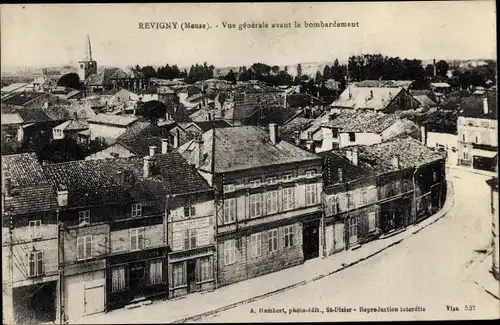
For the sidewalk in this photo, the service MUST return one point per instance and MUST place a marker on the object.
(471, 170)
(483, 277)
(196, 306)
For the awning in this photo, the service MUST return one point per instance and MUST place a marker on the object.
(484, 153)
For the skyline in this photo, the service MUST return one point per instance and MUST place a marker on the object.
(117, 40)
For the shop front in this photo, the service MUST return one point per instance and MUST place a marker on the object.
(84, 289)
(135, 276)
(191, 271)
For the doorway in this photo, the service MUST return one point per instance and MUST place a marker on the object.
(136, 277)
(310, 239)
(191, 276)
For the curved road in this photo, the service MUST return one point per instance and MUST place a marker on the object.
(428, 271)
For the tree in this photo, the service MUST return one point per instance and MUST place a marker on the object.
(275, 70)
(149, 71)
(231, 77)
(152, 110)
(429, 71)
(299, 70)
(70, 80)
(318, 77)
(442, 68)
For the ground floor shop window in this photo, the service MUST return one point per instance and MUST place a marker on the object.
(156, 272)
(118, 278)
(205, 269)
(178, 274)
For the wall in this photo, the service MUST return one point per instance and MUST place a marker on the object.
(100, 242)
(403, 101)
(107, 153)
(110, 133)
(202, 221)
(23, 243)
(445, 139)
(247, 266)
(360, 139)
(154, 236)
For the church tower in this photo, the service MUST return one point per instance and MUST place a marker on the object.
(88, 66)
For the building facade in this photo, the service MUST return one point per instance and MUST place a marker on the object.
(29, 242)
(268, 209)
(477, 130)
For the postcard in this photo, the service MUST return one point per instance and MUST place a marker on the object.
(249, 162)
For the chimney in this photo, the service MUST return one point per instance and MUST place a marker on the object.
(152, 150)
(341, 174)
(355, 156)
(273, 133)
(485, 105)
(296, 136)
(164, 146)
(395, 161)
(176, 138)
(147, 166)
(7, 186)
(199, 147)
(434, 67)
(348, 155)
(46, 105)
(423, 134)
(62, 195)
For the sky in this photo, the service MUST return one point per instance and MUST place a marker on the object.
(54, 34)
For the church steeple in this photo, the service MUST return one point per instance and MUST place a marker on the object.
(87, 66)
(89, 49)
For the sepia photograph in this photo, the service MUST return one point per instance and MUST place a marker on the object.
(249, 162)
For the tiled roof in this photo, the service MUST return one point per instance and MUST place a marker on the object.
(22, 98)
(384, 83)
(151, 90)
(335, 160)
(474, 106)
(93, 182)
(361, 121)
(31, 191)
(73, 125)
(410, 151)
(141, 135)
(208, 125)
(57, 113)
(106, 75)
(113, 119)
(298, 124)
(425, 100)
(33, 115)
(243, 147)
(366, 98)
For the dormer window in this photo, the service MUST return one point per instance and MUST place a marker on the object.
(272, 180)
(189, 211)
(228, 188)
(255, 183)
(287, 177)
(310, 173)
(84, 217)
(136, 210)
(35, 226)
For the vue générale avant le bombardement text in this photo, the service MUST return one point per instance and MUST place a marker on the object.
(187, 25)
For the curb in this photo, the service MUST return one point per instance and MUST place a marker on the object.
(318, 277)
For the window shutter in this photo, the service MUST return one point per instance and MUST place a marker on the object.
(186, 239)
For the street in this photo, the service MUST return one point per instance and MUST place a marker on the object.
(428, 272)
